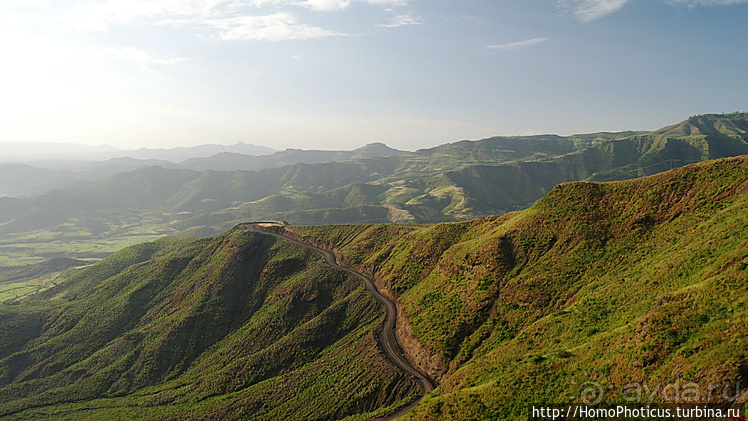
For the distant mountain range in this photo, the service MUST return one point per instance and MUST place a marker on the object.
(40, 176)
(48, 153)
(180, 154)
(41, 151)
(452, 182)
(228, 161)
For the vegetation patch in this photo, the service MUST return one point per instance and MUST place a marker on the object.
(638, 282)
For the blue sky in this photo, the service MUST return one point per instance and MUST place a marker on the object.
(337, 74)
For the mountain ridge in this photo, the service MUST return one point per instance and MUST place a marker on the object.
(186, 320)
(24, 179)
(635, 281)
(53, 154)
(655, 266)
(453, 182)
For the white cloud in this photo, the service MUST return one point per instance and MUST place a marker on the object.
(145, 59)
(589, 10)
(518, 45)
(262, 3)
(227, 19)
(332, 5)
(275, 27)
(93, 16)
(326, 5)
(402, 20)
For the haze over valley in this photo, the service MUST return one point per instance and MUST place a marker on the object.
(123, 201)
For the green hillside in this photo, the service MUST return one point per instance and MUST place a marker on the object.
(453, 182)
(642, 281)
(698, 138)
(230, 327)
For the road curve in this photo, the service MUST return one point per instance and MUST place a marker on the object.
(387, 338)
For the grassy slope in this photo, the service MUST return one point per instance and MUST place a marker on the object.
(230, 327)
(452, 182)
(643, 281)
(21, 281)
(698, 138)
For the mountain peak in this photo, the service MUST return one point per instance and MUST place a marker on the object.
(376, 149)
(734, 125)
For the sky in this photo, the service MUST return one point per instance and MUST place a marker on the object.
(338, 74)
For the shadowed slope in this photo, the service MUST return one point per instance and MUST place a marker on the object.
(230, 327)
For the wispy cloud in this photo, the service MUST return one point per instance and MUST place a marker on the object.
(275, 27)
(333, 5)
(227, 19)
(101, 15)
(402, 20)
(326, 5)
(589, 10)
(518, 45)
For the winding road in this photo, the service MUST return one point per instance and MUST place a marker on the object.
(387, 338)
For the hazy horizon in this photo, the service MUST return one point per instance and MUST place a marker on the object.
(339, 74)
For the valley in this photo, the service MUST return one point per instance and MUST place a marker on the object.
(610, 284)
(374, 184)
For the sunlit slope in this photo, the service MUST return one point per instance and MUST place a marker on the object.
(634, 281)
(452, 182)
(698, 138)
(233, 327)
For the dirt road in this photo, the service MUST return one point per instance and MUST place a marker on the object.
(387, 338)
